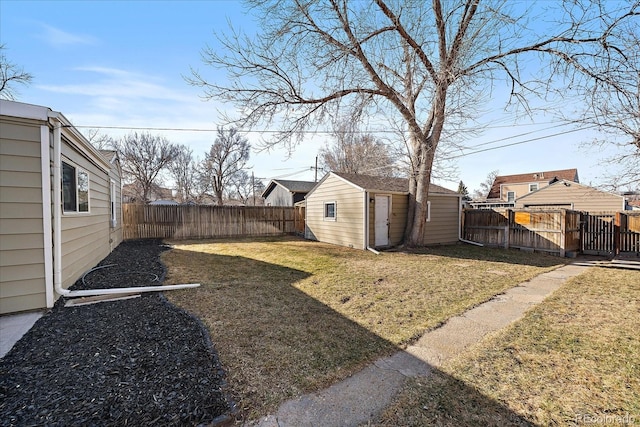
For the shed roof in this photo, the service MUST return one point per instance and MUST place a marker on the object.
(544, 176)
(290, 185)
(382, 183)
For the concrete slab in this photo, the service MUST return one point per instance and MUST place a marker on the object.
(14, 326)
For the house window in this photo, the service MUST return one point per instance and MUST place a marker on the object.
(112, 200)
(75, 189)
(511, 196)
(330, 211)
(533, 187)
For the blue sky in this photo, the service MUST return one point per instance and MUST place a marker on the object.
(121, 64)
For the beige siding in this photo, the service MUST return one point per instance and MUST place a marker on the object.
(575, 196)
(115, 233)
(85, 236)
(443, 226)
(347, 229)
(520, 189)
(22, 278)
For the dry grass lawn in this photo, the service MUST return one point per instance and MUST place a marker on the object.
(573, 360)
(289, 316)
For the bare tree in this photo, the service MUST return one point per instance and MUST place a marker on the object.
(11, 75)
(485, 186)
(183, 170)
(144, 157)
(228, 155)
(429, 64)
(245, 188)
(613, 106)
(358, 153)
(99, 140)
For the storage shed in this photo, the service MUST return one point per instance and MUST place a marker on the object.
(60, 207)
(362, 211)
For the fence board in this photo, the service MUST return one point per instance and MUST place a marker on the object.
(200, 222)
(556, 231)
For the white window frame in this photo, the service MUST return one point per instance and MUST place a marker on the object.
(77, 172)
(533, 187)
(513, 199)
(335, 211)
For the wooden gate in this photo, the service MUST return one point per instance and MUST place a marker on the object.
(611, 233)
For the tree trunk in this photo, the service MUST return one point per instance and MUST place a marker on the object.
(418, 194)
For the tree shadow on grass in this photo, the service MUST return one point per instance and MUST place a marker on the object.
(277, 342)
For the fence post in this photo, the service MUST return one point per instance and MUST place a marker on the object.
(563, 232)
(616, 233)
(507, 231)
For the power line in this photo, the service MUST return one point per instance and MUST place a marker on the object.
(371, 131)
(519, 142)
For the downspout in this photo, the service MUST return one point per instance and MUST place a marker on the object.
(460, 226)
(57, 234)
(45, 170)
(367, 212)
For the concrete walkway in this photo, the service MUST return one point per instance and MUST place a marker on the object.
(359, 398)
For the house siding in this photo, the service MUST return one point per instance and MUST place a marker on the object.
(443, 228)
(279, 196)
(22, 270)
(575, 196)
(347, 229)
(85, 236)
(26, 241)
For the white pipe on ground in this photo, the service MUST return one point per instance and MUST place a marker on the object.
(57, 234)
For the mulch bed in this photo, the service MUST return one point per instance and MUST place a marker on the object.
(140, 361)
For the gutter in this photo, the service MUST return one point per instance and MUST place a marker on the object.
(57, 232)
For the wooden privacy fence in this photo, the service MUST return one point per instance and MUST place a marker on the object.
(611, 233)
(555, 231)
(200, 222)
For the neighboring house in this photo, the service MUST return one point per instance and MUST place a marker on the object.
(60, 205)
(507, 188)
(361, 211)
(572, 195)
(280, 192)
(164, 203)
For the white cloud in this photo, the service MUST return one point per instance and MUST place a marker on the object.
(58, 38)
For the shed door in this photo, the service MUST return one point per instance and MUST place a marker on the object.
(382, 221)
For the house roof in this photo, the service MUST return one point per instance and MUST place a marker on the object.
(567, 183)
(387, 184)
(110, 155)
(290, 185)
(544, 176)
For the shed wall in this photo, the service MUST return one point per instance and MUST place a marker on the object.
(347, 229)
(443, 227)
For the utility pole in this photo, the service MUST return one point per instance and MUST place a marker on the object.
(253, 188)
(316, 170)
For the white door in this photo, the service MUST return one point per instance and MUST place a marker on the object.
(382, 220)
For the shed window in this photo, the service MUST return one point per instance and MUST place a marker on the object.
(75, 189)
(330, 211)
(511, 196)
(533, 187)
